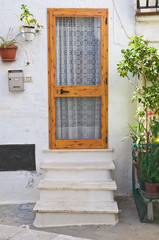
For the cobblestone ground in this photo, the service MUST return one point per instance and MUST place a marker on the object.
(129, 226)
(17, 215)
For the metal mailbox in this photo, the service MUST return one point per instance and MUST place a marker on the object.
(15, 80)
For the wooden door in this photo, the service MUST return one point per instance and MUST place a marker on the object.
(79, 93)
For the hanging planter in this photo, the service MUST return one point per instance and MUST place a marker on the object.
(8, 47)
(8, 53)
(31, 28)
(28, 32)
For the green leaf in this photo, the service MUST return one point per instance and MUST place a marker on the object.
(142, 61)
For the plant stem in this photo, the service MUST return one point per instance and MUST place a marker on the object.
(131, 82)
(146, 117)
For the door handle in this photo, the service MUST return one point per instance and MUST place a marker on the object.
(63, 91)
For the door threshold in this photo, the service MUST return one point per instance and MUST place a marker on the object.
(77, 150)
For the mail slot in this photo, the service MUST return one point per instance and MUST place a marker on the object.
(15, 80)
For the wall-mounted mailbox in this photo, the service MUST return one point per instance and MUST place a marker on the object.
(15, 80)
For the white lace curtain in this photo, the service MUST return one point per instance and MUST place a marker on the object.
(78, 63)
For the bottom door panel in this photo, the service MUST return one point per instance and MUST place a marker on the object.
(78, 118)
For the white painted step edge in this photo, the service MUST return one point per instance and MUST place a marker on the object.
(74, 219)
(78, 155)
(108, 165)
(77, 185)
(67, 207)
(76, 150)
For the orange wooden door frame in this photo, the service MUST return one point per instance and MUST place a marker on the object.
(82, 90)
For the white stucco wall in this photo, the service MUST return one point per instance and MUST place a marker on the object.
(148, 26)
(24, 115)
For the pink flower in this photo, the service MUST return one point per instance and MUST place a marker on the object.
(149, 113)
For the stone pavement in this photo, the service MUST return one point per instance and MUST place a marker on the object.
(129, 227)
(18, 233)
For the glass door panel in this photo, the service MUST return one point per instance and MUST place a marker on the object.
(78, 50)
(78, 118)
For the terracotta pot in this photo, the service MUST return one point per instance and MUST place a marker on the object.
(152, 190)
(137, 167)
(8, 53)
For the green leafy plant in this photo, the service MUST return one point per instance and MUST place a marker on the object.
(142, 61)
(137, 132)
(28, 18)
(148, 158)
(155, 129)
(6, 42)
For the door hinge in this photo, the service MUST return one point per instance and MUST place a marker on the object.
(106, 21)
(106, 139)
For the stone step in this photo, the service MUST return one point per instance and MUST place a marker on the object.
(78, 155)
(77, 188)
(77, 207)
(56, 190)
(73, 219)
(85, 171)
(78, 185)
(51, 214)
(107, 165)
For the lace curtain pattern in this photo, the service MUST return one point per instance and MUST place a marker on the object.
(78, 51)
(78, 63)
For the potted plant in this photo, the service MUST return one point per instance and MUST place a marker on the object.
(8, 48)
(148, 156)
(142, 61)
(31, 26)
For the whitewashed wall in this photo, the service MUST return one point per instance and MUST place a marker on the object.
(24, 115)
(148, 26)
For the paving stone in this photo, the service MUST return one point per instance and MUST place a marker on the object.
(7, 232)
(28, 207)
(28, 234)
(64, 237)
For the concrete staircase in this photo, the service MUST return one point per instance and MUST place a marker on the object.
(77, 189)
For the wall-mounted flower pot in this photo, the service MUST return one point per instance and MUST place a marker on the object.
(152, 190)
(28, 32)
(8, 53)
